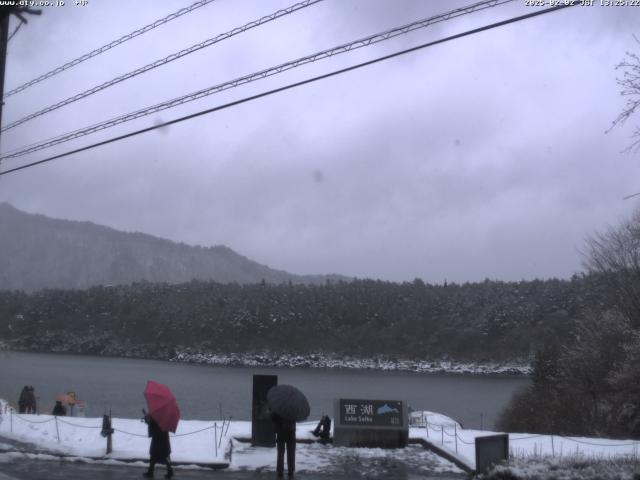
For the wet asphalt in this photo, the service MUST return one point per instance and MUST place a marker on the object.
(29, 469)
(19, 461)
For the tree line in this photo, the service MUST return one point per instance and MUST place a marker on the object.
(485, 321)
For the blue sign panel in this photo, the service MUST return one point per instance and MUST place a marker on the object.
(373, 413)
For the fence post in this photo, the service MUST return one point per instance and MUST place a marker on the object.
(57, 429)
(553, 450)
(215, 437)
(109, 439)
(455, 431)
(11, 418)
(442, 434)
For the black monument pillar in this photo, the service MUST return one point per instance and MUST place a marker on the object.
(263, 433)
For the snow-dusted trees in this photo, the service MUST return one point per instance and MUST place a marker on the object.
(589, 385)
(615, 256)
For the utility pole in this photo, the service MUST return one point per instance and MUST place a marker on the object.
(5, 14)
(4, 38)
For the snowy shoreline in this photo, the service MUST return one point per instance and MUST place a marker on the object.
(319, 360)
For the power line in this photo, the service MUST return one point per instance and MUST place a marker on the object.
(344, 48)
(292, 85)
(108, 46)
(165, 60)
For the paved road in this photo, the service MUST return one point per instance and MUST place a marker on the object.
(29, 469)
(19, 461)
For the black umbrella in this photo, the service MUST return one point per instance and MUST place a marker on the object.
(288, 402)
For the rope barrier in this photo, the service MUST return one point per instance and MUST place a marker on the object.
(444, 429)
(464, 441)
(523, 438)
(598, 444)
(79, 426)
(33, 421)
(129, 433)
(195, 431)
(173, 436)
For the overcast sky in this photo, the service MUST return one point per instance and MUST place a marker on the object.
(483, 157)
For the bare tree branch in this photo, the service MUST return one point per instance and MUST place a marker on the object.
(629, 84)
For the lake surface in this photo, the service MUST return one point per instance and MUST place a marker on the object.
(204, 391)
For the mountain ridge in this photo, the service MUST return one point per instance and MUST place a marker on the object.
(39, 252)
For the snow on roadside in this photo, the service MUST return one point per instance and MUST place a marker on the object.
(445, 432)
(194, 441)
(566, 468)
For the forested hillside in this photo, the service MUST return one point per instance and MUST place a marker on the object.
(38, 252)
(471, 322)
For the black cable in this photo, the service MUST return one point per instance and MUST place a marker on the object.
(292, 85)
(252, 77)
(163, 61)
(108, 46)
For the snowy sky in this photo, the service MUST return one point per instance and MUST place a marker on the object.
(483, 157)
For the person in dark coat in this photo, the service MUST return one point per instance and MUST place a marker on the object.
(323, 429)
(285, 438)
(160, 448)
(22, 401)
(59, 410)
(31, 400)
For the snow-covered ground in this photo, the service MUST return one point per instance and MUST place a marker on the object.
(207, 443)
(444, 431)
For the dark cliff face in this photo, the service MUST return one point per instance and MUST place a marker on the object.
(38, 252)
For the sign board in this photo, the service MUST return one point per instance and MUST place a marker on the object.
(491, 450)
(378, 413)
(370, 423)
(263, 432)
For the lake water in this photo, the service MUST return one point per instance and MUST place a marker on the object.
(204, 391)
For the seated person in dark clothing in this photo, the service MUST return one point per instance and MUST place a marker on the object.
(323, 429)
(285, 437)
(59, 410)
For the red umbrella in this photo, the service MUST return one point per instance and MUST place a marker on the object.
(162, 406)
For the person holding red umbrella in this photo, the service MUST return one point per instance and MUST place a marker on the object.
(160, 448)
(162, 418)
